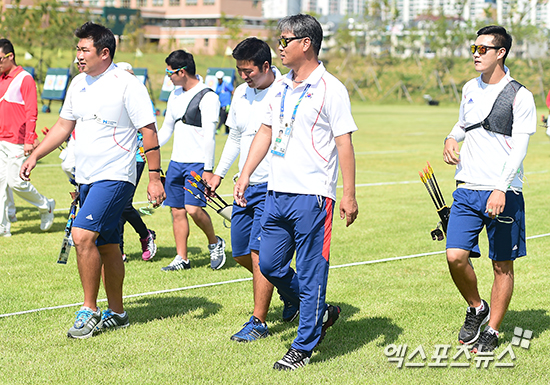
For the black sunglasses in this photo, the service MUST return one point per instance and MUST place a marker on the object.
(285, 40)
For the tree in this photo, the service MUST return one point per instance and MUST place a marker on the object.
(233, 29)
(134, 33)
(42, 29)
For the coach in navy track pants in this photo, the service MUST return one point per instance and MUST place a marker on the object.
(306, 132)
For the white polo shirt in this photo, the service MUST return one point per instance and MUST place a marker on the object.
(484, 154)
(310, 165)
(245, 118)
(191, 144)
(108, 110)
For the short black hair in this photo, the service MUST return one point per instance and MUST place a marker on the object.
(180, 58)
(501, 38)
(303, 25)
(102, 37)
(6, 46)
(254, 50)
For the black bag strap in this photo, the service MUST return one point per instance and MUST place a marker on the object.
(192, 114)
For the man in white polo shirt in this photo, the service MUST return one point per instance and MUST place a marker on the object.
(106, 106)
(497, 117)
(253, 58)
(312, 109)
(191, 115)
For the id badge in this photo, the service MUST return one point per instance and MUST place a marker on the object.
(281, 142)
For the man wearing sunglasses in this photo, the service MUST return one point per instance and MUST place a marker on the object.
(253, 58)
(192, 116)
(313, 110)
(18, 112)
(106, 106)
(489, 176)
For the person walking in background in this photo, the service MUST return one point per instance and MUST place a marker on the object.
(147, 237)
(313, 109)
(106, 106)
(497, 117)
(191, 115)
(11, 210)
(18, 112)
(224, 90)
(130, 214)
(253, 58)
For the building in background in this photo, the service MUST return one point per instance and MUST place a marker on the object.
(334, 7)
(277, 9)
(215, 26)
(195, 25)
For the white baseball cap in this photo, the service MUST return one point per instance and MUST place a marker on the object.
(124, 66)
(220, 74)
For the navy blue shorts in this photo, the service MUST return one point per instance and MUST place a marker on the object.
(245, 221)
(101, 205)
(468, 217)
(178, 176)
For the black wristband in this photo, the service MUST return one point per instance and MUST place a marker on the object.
(208, 170)
(156, 170)
(151, 149)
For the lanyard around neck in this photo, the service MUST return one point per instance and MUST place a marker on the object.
(282, 114)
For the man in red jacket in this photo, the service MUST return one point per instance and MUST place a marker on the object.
(18, 113)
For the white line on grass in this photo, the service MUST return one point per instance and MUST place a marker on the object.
(238, 280)
(129, 296)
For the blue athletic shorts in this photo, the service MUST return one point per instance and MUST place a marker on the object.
(245, 221)
(179, 175)
(101, 205)
(468, 217)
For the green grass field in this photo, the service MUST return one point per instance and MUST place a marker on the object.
(182, 337)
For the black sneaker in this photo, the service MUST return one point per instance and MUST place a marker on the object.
(293, 359)
(290, 312)
(487, 342)
(329, 318)
(177, 265)
(469, 332)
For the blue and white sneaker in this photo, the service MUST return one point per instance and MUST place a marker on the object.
(111, 321)
(86, 323)
(252, 331)
(290, 312)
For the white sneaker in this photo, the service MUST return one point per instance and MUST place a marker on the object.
(217, 254)
(47, 217)
(5, 233)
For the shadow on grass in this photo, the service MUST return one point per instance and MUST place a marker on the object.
(165, 255)
(32, 214)
(198, 256)
(143, 310)
(536, 320)
(345, 336)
